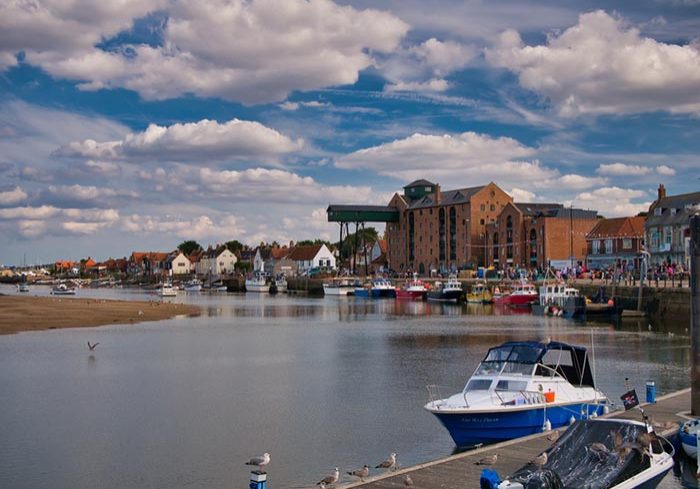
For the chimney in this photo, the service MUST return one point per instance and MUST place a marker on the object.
(662, 191)
(438, 195)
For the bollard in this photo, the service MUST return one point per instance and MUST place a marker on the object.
(258, 480)
(651, 392)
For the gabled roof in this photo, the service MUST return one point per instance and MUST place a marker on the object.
(679, 202)
(627, 227)
(447, 197)
(308, 252)
(278, 252)
(383, 246)
(153, 256)
(536, 209)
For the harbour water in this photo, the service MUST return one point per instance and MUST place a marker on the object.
(318, 383)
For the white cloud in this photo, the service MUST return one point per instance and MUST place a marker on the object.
(252, 52)
(183, 227)
(621, 169)
(603, 66)
(32, 222)
(434, 85)
(292, 106)
(87, 193)
(613, 201)
(14, 196)
(466, 159)
(201, 141)
(574, 182)
(665, 170)
(521, 195)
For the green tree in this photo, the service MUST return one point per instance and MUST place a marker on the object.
(188, 247)
(369, 234)
(235, 246)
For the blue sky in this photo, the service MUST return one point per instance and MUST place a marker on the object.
(135, 125)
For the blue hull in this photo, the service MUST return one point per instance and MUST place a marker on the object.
(374, 293)
(471, 429)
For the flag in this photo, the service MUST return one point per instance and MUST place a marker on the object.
(630, 399)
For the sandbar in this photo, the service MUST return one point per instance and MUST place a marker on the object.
(39, 313)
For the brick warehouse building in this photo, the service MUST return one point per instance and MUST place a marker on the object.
(538, 235)
(441, 230)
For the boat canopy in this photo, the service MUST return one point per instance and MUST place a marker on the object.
(571, 362)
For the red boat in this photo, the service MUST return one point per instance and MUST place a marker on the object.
(413, 290)
(522, 295)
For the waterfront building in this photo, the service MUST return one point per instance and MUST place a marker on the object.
(441, 230)
(667, 227)
(216, 261)
(146, 262)
(310, 257)
(267, 256)
(615, 242)
(179, 263)
(526, 235)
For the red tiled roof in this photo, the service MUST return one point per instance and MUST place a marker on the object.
(628, 227)
(279, 253)
(307, 252)
(154, 256)
(382, 245)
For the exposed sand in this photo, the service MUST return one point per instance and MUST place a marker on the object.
(38, 313)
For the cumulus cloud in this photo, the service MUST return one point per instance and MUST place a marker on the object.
(574, 182)
(521, 195)
(183, 227)
(278, 186)
(434, 85)
(33, 221)
(252, 52)
(190, 142)
(604, 66)
(468, 158)
(622, 169)
(665, 170)
(613, 201)
(14, 196)
(81, 195)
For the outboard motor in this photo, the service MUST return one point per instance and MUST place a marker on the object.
(489, 479)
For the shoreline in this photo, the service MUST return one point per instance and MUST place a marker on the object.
(18, 314)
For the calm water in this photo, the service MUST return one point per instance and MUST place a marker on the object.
(316, 382)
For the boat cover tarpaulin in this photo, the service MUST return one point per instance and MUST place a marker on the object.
(586, 456)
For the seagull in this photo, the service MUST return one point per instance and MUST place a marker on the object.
(91, 346)
(330, 479)
(489, 460)
(407, 481)
(599, 450)
(553, 436)
(540, 460)
(260, 462)
(389, 463)
(361, 473)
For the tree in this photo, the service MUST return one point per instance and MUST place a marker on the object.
(370, 236)
(235, 246)
(189, 247)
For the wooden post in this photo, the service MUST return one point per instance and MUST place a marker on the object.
(695, 314)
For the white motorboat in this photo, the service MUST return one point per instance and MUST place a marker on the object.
(194, 285)
(23, 286)
(557, 299)
(62, 289)
(281, 284)
(598, 454)
(688, 434)
(257, 283)
(520, 388)
(166, 289)
(340, 286)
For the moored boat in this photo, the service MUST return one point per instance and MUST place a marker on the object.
(600, 454)
(413, 290)
(62, 289)
(688, 434)
(518, 389)
(194, 285)
(339, 286)
(382, 287)
(449, 292)
(281, 284)
(480, 294)
(257, 283)
(166, 289)
(23, 286)
(556, 299)
(523, 294)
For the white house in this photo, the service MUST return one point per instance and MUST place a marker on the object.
(178, 263)
(216, 261)
(312, 256)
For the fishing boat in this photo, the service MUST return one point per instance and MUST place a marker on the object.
(600, 454)
(363, 291)
(449, 292)
(556, 299)
(281, 284)
(413, 290)
(194, 285)
(523, 294)
(23, 286)
(257, 283)
(480, 294)
(166, 289)
(62, 289)
(339, 286)
(689, 437)
(518, 389)
(382, 287)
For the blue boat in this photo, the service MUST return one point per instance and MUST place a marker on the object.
(518, 389)
(688, 434)
(378, 287)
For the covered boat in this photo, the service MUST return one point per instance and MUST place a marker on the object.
(688, 434)
(449, 292)
(599, 454)
(520, 388)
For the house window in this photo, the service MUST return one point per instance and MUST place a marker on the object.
(595, 247)
(654, 238)
(658, 211)
(481, 221)
(627, 244)
(493, 207)
(181, 264)
(608, 246)
(483, 207)
(668, 235)
(428, 189)
(673, 211)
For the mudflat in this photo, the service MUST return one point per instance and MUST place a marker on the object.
(40, 313)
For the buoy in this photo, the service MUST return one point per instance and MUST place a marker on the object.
(547, 425)
(606, 409)
(572, 420)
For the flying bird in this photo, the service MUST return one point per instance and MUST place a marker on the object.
(407, 481)
(361, 473)
(540, 460)
(488, 460)
(330, 479)
(389, 463)
(91, 346)
(260, 461)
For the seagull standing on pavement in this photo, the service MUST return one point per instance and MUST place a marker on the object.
(540, 460)
(389, 463)
(407, 481)
(330, 479)
(260, 461)
(488, 460)
(361, 473)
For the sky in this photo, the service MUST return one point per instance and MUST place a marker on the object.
(138, 124)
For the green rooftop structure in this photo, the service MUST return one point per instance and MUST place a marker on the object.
(362, 213)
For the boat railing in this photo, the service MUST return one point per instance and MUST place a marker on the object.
(434, 395)
(528, 397)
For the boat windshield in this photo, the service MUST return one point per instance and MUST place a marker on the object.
(517, 359)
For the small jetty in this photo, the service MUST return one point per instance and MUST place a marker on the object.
(460, 471)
